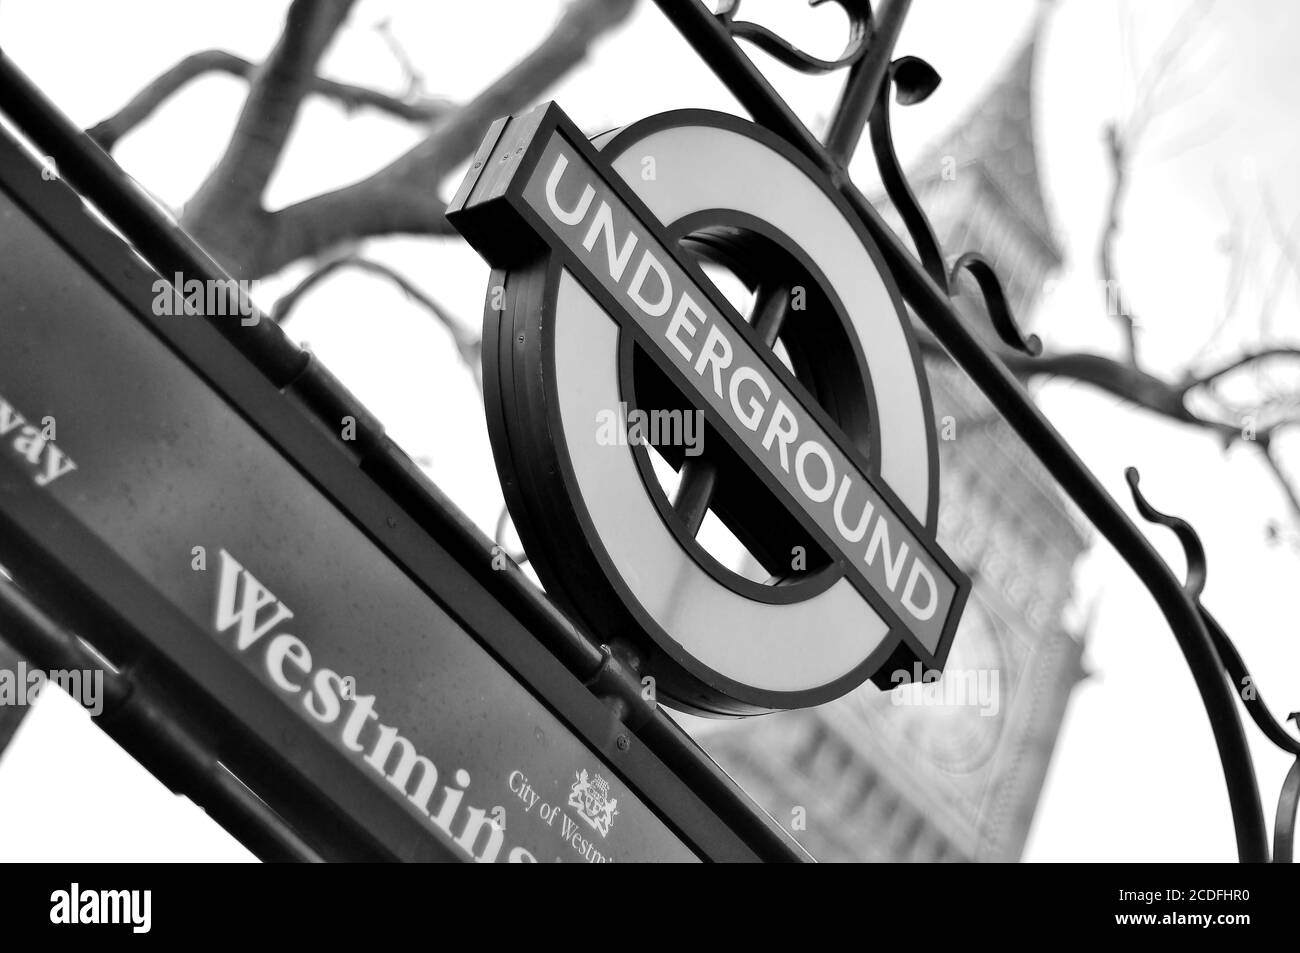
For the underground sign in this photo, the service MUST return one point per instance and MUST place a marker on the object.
(814, 445)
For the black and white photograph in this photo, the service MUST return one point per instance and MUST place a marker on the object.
(651, 431)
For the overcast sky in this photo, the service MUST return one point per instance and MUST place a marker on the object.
(1135, 775)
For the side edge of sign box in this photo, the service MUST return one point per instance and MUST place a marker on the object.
(389, 530)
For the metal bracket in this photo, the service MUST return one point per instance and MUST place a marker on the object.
(617, 682)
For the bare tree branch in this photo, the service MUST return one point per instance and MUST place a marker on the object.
(1288, 256)
(225, 211)
(110, 131)
(1288, 485)
(1121, 144)
(1167, 398)
(414, 78)
(1117, 154)
(1237, 244)
(404, 196)
(1133, 385)
(468, 344)
(226, 214)
(1249, 357)
(1120, 379)
(1163, 65)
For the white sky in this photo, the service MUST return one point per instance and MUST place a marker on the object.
(1135, 775)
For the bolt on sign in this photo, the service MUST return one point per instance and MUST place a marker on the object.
(209, 532)
(818, 453)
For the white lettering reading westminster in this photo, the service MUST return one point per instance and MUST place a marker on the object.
(253, 612)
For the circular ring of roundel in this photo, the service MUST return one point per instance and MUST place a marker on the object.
(593, 518)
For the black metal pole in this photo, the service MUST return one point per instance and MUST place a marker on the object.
(862, 88)
(137, 719)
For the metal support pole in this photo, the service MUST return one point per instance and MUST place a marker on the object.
(862, 88)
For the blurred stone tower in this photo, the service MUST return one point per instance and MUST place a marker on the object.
(896, 776)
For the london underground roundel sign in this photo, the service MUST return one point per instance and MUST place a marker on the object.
(804, 427)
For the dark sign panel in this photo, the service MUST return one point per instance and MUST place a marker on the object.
(261, 591)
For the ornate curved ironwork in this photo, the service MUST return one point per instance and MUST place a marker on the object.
(891, 172)
(914, 79)
(1233, 663)
(1284, 823)
(995, 302)
(1235, 666)
(859, 14)
(1193, 551)
(1246, 687)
